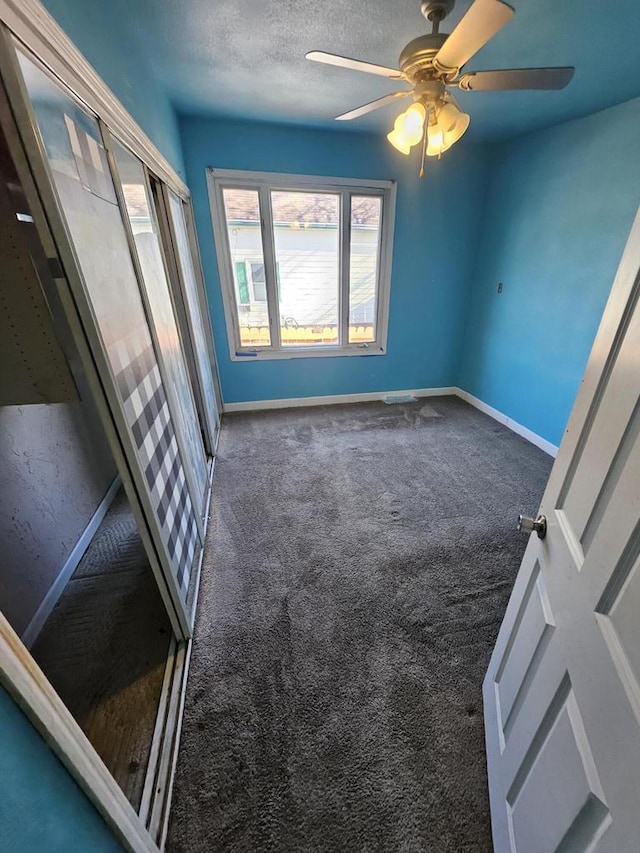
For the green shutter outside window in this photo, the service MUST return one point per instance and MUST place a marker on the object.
(243, 284)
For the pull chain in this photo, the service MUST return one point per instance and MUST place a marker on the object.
(424, 146)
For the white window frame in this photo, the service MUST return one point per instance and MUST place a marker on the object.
(263, 183)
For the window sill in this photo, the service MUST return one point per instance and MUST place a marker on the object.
(306, 352)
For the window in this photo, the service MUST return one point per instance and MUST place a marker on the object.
(305, 263)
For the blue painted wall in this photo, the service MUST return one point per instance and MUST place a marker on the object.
(99, 30)
(554, 223)
(41, 807)
(435, 243)
(558, 214)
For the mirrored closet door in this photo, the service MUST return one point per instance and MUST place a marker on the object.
(78, 597)
(143, 229)
(109, 389)
(182, 238)
(140, 351)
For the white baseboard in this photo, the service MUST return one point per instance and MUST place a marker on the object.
(70, 565)
(332, 399)
(533, 437)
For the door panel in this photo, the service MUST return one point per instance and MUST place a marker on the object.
(610, 431)
(137, 198)
(618, 619)
(534, 626)
(196, 320)
(557, 780)
(562, 692)
(81, 174)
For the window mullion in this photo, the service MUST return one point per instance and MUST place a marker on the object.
(345, 254)
(269, 254)
(378, 296)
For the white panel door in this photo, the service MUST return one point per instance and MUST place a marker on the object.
(562, 692)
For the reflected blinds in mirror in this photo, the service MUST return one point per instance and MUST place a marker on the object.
(145, 234)
(201, 350)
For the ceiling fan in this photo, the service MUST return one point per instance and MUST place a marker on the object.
(433, 62)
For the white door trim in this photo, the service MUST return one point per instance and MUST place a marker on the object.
(39, 31)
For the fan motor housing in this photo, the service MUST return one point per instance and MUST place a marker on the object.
(416, 59)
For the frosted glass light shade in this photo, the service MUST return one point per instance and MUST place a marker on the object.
(408, 128)
(435, 141)
(449, 126)
(455, 131)
(414, 118)
(397, 139)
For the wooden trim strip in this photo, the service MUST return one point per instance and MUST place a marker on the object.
(166, 765)
(158, 734)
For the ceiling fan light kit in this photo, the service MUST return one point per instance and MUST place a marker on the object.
(448, 126)
(408, 128)
(444, 126)
(432, 63)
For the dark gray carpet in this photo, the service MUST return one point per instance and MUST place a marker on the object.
(104, 648)
(358, 565)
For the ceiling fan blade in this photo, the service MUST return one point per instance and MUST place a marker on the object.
(372, 105)
(354, 64)
(516, 78)
(484, 19)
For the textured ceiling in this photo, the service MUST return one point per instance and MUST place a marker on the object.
(245, 58)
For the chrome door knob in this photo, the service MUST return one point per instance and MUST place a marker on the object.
(528, 525)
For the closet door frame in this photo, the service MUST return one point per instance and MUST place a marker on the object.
(179, 288)
(198, 501)
(19, 673)
(41, 35)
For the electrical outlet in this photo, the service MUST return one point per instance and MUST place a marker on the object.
(499, 287)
